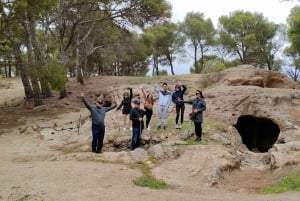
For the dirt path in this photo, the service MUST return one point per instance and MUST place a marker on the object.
(30, 170)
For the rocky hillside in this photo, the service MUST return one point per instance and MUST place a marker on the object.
(251, 127)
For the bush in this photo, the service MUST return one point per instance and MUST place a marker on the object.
(213, 66)
(56, 75)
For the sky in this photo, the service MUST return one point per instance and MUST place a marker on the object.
(274, 10)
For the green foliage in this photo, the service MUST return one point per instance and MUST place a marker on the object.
(148, 180)
(249, 36)
(200, 33)
(294, 28)
(213, 65)
(288, 183)
(163, 72)
(57, 75)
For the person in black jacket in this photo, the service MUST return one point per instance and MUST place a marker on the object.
(126, 104)
(177, 98)
(136, 116)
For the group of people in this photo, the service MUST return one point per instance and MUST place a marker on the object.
(136, 113)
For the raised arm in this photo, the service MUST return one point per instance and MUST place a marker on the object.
(183, 89)
(121, 104)
(111, 107)
(156, 89)
(144, 93)
(130, 93)
(86, 103)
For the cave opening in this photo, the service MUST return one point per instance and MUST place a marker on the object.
(258, 133)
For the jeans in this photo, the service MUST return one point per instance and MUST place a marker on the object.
(98, 132)
(135, 140)
(162, 111)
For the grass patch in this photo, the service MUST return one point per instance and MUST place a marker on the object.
(288, 183)
(193, 142)
(142, 80)
(148, 180)
(209, 124)
(25, 197)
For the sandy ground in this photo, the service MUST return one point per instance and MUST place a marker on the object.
(30, 169)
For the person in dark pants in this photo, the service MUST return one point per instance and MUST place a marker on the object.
(136, 116)
(98, 112)
(148, 106)
(126, 106)
(177, 98)
(198, 106)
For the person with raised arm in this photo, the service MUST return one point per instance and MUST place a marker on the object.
(98, 112)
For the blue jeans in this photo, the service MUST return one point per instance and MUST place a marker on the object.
(135, 140)
(98, 132)
(162, 111)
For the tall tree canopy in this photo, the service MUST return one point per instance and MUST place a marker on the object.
(200, 32)
(65, 33)
(249, 36)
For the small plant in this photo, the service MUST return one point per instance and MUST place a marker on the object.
(193, 142)
(288, 183)
(148, 180)
(25, 197)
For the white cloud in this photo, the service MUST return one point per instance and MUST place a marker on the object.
(275, 10)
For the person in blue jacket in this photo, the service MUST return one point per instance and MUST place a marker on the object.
(177, 98)
(198, 106)
(98, 112)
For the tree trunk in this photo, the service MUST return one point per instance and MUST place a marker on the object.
(34, 71)
(23, 73)
(78, 68)
(40, 61)
(195, 60)
(9, 67)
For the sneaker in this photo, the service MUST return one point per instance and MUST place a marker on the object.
(158, 127)
(198, 139)
(148, 129)
(176, 126)
(179, 126)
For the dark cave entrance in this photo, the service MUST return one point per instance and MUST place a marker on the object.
(257, 133)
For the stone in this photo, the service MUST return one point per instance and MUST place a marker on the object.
(139, 155)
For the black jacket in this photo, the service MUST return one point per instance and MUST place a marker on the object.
(135, 114)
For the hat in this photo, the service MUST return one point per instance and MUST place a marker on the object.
(137, 101)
